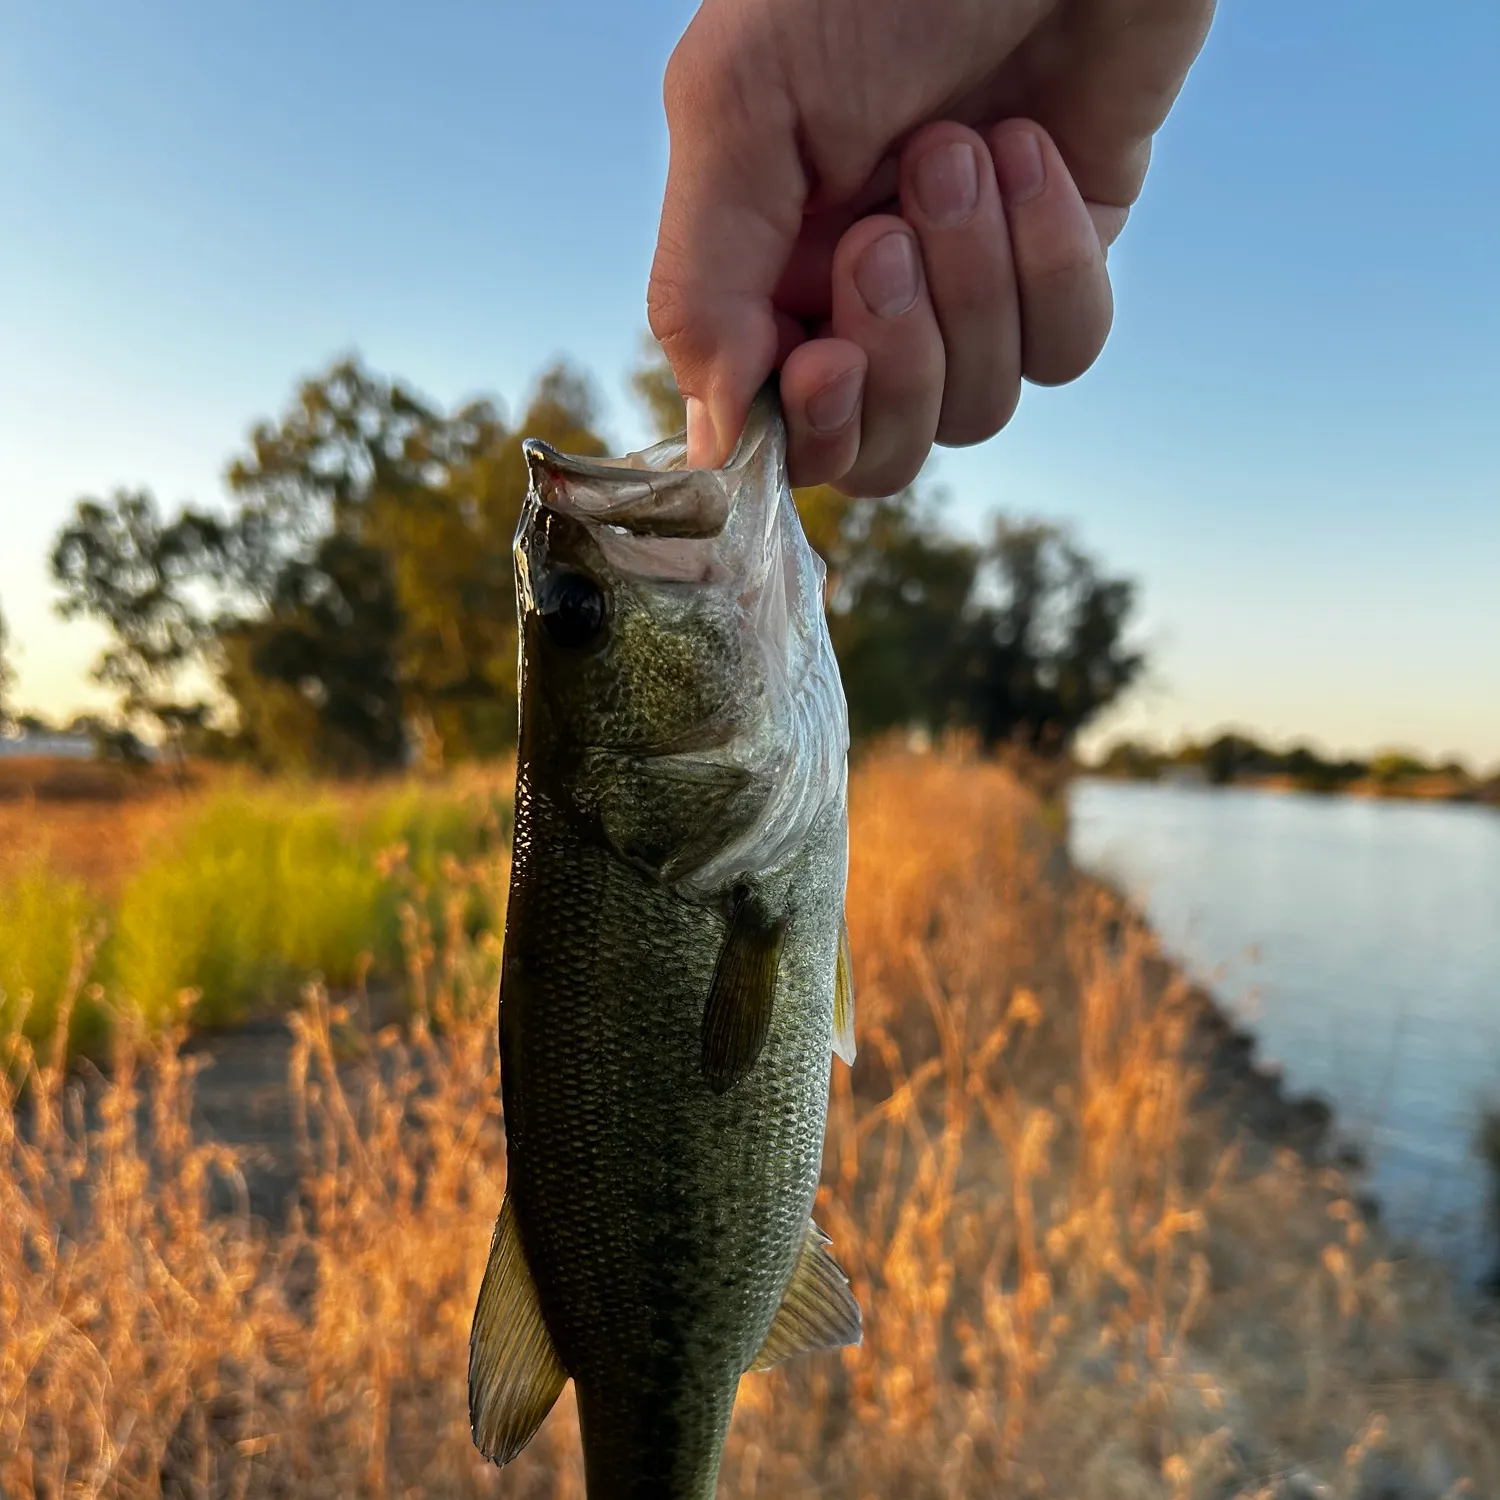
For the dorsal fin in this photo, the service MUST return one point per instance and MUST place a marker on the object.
(515, 1376)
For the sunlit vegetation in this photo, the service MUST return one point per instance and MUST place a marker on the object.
(1078, 1279)
(236, 898)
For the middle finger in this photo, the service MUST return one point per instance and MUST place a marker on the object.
(950, 196)
(880, 302)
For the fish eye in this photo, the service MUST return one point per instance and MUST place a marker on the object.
(572, 608)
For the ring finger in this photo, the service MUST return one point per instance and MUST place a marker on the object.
(950, 196)
(880, 302)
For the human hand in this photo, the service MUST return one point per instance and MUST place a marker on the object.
(904, 205)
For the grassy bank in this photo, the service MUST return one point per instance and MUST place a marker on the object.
(1077, 1280)
(234, 899)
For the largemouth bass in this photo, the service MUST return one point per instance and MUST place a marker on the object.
(676, 973)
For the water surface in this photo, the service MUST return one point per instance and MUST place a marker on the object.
(1360, 941)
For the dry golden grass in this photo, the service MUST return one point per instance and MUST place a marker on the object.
(1075, 1283)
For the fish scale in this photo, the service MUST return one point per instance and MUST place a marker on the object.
(658, 1285)
(665, 1042)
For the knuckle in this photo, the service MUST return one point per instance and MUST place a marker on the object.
(1056, 267)
(670, 304)
(971, 420)
(684, 353)
(880, 480)
(683, 79)
(717, 75)
(1067, 320)
(1064, 361)
(974, 316)
(665, 311)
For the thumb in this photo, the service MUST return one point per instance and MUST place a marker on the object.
(730, 218)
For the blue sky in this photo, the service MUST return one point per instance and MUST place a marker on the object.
(1290, 441)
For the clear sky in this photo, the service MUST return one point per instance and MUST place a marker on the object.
(1291, 440)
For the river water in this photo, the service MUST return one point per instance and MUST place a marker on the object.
(1360, 941)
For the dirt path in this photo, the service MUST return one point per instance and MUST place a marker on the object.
(244, 1100)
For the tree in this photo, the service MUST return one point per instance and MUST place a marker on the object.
(1229, 756)
(455, 574)
(328, 640)
(898, 590)
(1045, 649)
(1393, 766)
(7, 681)
(372, 556)
(312, 652)
(1131, 762)
(120, 565)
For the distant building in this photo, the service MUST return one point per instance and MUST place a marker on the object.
(60, 742)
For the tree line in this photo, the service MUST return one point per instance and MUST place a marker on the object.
(1233, 758)
(352, 607)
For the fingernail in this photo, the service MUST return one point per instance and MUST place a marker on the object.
(886, 275)
(703, 441)
(832, 408)
(1018, 158)
(947, 183)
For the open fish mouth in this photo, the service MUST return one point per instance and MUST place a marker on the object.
(656, 519)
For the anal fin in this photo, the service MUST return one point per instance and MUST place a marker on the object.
(818, 1311)
(843, 999)
(515, 1376)
(737, 1018)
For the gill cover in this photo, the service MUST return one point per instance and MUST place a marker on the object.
(662, 527)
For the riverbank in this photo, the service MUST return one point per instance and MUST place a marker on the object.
(1098, 1251)
(1362, 943)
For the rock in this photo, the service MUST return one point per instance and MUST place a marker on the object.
(1302, 1484)
(1382, 1476)
(1437, 1469)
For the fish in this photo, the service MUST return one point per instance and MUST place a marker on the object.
(676, 976)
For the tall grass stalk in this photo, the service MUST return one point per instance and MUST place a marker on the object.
(1075, 1281)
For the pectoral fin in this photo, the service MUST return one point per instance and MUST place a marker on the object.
(843, 999)
(515, 1375)
(737, 1018)
(818, 1311)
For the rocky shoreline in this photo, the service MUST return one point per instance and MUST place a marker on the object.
(1253, 1098)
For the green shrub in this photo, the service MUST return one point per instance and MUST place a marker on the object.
(263, 889)
(44, 920)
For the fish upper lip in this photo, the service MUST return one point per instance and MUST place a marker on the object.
(692, 504)
(539, 452)
(763, 418)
